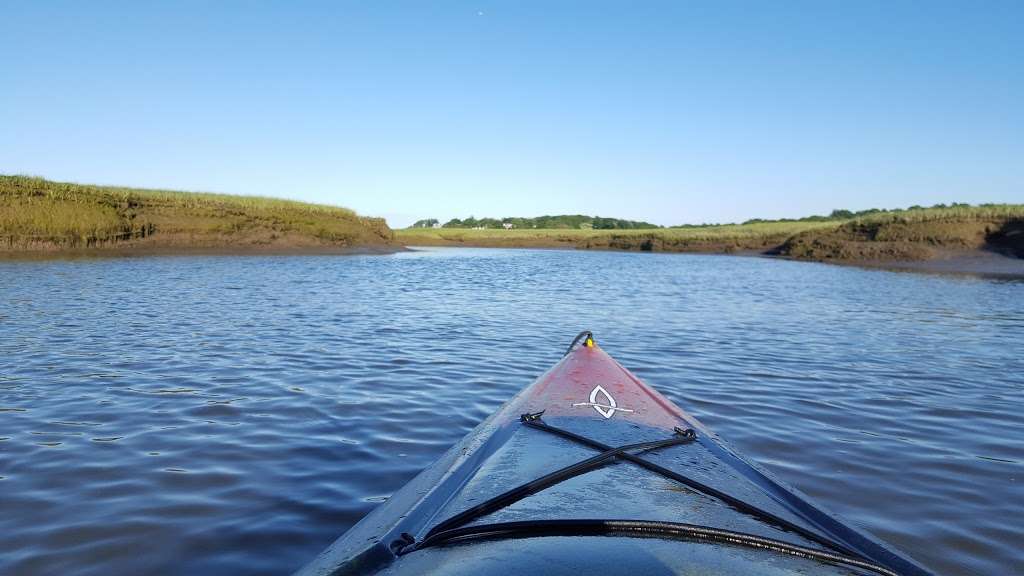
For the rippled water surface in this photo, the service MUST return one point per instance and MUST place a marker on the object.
(213, 415)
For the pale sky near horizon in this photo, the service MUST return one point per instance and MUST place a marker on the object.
(670, 112)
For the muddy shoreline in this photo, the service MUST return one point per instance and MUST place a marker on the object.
(972, 262)
(989, 245)
(182, 250)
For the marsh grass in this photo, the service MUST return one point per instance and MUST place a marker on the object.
(904, 233)
(39, 211)
(915, 234)
(670, 236)
(957, 213)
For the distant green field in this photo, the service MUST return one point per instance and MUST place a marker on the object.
(897, 234)
(41, 213)
(737, 235)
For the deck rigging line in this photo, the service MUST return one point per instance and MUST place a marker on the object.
(455, 529)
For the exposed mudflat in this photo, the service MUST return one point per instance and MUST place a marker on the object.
(127, 251)
(977, 262)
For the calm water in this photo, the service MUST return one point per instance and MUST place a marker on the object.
(216, 415)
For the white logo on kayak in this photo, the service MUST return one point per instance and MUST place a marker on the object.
(603, 402)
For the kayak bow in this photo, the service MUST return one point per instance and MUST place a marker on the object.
(588, 468)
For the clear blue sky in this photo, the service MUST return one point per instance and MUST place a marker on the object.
(671, 112)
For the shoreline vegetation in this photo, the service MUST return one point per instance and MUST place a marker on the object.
(974, 239)
(41, 218)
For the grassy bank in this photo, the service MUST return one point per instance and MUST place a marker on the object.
(40, 215)
(725, 239)
(915, 234)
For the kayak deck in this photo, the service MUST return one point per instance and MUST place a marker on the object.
(520, 470)
(601, 555)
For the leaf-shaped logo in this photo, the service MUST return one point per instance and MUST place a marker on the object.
(602, 402)
(606, 407)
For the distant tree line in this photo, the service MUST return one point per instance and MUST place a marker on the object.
(841, 214)
(576, 221)
(567, 221)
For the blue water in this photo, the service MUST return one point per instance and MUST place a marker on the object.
(212, 415)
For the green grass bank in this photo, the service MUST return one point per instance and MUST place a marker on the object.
(38, 215)
(904, 235)
(46, 217)
(732, 238)
(915, 235)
